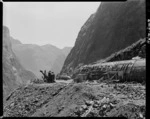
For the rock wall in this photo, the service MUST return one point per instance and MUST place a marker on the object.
(113, 27)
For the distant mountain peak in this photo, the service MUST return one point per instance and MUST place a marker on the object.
(48, 45)
(45, 57)
(66, 47)
(15, 41)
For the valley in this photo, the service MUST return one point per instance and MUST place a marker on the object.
(102, 75)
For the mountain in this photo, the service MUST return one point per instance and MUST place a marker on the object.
(15, 41)
(35, 58)
(114, 26)
(59, 61)
(66, 50)
(14, 74)
(137, 49)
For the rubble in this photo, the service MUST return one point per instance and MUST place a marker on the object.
(78, 100)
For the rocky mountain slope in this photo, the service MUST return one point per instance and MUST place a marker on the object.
(14, 74)
(77, 100)
(66, 50)
(113, 27)
(137, 49)
(15, 41)
(58, 63)
(34, 57)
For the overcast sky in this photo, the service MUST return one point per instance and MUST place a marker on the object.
(56, 23)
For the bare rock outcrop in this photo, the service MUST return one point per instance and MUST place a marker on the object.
(114, 26)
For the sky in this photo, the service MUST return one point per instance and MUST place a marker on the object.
(56, 23)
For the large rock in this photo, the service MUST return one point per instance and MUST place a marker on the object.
(113, 27)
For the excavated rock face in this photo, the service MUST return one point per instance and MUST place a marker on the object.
(13, 72)
(114, 26)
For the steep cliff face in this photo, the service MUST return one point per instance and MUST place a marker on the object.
(14, 73)
(113, 27)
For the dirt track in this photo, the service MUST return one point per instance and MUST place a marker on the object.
(82, 99)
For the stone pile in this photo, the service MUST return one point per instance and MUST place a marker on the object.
(82, 100)
(25, 101)
(107, 107)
